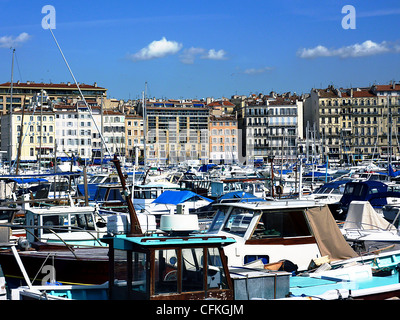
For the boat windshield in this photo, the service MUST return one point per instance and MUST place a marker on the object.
(238, 221)
(218, 219)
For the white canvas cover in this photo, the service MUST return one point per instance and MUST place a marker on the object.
(361, 215)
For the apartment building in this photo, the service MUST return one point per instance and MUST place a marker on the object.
(134, 138)
(223, 139)
(271, 127)
(35, 132)
(356, 123)
(23, 92)
(176, 131)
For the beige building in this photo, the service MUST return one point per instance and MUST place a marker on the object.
(176, 131)
(357, 123)
(134, 137)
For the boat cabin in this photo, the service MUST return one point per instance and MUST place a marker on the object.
(72, 225)
(377, 193)
(255, 187)
(159, 267)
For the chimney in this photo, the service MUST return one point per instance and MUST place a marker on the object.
(69, 84)
(95, 85)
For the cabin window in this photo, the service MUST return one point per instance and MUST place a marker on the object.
(115, 195)
(281, 224)
(55, 222)
(166, 266)
(139, 278)
(192, 270)
(355, 190)
(238, 221)
(216, 277)
(218, 219)
(82, 221)
(192, 265)
(138, 283)
(373, 190)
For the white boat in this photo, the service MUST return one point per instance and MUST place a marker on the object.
(363, 224)
(65, 224)
(293, 230)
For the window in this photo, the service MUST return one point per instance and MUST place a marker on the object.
(281, 224)
(166, 271)
(238, 221)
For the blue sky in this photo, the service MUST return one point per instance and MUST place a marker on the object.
(199, 49)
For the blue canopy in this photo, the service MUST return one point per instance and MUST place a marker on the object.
(177, 197)
(27, 180)
(206, 167)
(393, 173)
(92, 190)
(240, 195)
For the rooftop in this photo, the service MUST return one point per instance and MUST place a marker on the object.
(68, 85)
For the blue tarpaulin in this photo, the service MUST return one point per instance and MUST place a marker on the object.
(92, 190)
(27, 180)
(393, 173)
(206, 167)
(177, 197)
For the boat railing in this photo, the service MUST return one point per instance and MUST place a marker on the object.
(363, 225)
(53, 230)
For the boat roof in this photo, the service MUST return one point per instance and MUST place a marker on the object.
(61, 210)
(124, 242)
(177, 197)
(335, 184)
(273, 205)
(240, 195)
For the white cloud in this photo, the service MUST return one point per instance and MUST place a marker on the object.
(188, 56)
(157, 49)
(367, 48)
(257, 71)
(9, 41)
(212, 54)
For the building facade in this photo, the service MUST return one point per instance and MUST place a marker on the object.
(134, 138)
(57, 92)
(223, 139)
(176, 131)
(271, 129)
(357, 123)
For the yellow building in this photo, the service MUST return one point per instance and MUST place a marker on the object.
(356, 123)
(134, 137)
(35, 132)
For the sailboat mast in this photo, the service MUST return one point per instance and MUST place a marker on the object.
(11, 109)
(144, 126)
(390, 133)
